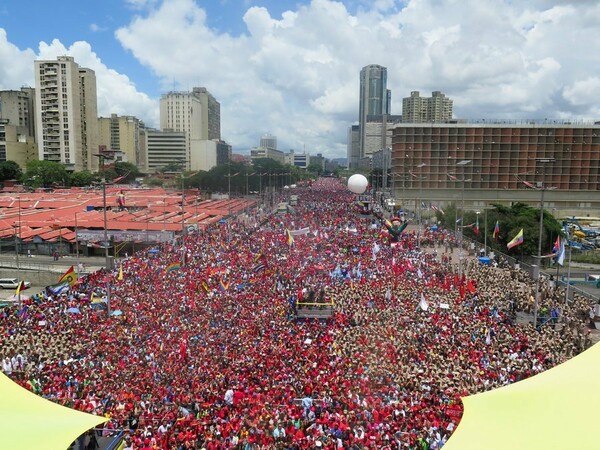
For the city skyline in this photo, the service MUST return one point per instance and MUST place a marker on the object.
(290, 68)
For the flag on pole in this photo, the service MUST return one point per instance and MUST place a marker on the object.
(20, 287)
(560, 253)
(496, 233)
(120, 276)
(476, 227)
(517, 240)
(69, 276)
(290, 238)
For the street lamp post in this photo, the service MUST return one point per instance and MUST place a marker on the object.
(542, 188)
(106, 254)
(462, 164)
(76, 247)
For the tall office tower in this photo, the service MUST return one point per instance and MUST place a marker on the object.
(66, 113)
(18, 108)
(417, 109)
(268, 141)
(121, 135)
(353, 147)
(196, 113)
(375, 99)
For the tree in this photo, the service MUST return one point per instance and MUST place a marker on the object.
(10, 170)
(83, 178)
(45, 174)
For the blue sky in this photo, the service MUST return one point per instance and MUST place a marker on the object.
(291, 68)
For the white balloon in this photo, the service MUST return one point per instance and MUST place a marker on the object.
(358, 183)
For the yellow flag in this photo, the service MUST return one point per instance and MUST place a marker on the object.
(120, 276)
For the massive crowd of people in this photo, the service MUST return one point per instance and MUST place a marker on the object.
(209, 355)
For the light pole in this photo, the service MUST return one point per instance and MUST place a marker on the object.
(462, 164)
(542, 188)
(106, 254)
(76, 247)
(419, 211)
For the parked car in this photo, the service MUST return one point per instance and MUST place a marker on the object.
(12, 283)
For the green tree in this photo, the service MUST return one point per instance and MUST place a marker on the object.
(10, 170)
(45, 174)
(83, 178)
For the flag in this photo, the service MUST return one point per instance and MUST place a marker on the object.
(560, 254)
(121, 178)
(517, 240)
(496, 230)
(452, 177)
(476, 227)
(290, 238)
(69, 276)
(174, 266)
(423, 303)
(59, 288)
(120, 276)
(20, 287)
(224, 285)
(205, 286)
(259, 267)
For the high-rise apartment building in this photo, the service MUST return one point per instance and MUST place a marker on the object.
(375, 99)
(417, 109)
(196, 113)
(122, 134)
(66, 113)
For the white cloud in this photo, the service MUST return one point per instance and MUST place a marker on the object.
(297, 76)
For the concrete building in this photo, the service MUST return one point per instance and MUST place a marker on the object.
(164, 148)
(18, 107)
(353, 146)
(122, 134)
(268, 141)
(264, 152)
(378, 133)
(16, 144)
(66, 113)
(374, 99)
(198, 114)
(499, 158)
(212, 153)
(417, 109)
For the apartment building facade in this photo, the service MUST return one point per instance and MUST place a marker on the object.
(66, 117)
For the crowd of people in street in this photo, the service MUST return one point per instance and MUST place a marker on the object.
(206, 350)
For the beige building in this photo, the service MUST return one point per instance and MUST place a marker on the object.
(16, 144)
(417, 109)
(66, 113)
(195, 113)
(18, 107)
(122, 135)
